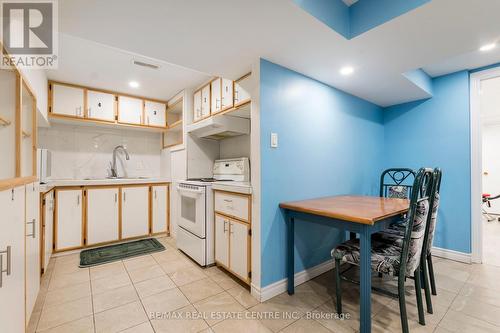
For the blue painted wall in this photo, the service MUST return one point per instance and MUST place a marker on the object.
(330, 143)
(420, 79)
(436, 132)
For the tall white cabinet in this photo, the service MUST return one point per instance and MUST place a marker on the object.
(47, 220)
(135, 211)
(102, 215)
(32, 216)
(68, 219)
(12, 270)
(159, 208)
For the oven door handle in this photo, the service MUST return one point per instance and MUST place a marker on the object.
(182, 189)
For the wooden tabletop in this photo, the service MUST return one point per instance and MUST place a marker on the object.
(358, 209)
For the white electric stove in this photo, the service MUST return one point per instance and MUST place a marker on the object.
(195, 235)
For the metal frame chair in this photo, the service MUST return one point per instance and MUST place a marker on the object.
(423, 182)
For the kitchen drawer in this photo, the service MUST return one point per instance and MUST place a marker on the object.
(234, 205)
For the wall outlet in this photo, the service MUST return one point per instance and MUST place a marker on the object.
(274, 140)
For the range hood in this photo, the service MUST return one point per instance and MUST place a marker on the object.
(220, 127)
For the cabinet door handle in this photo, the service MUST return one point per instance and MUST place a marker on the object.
(225, 223)
(90, 112)
(231, 228)
(78, 200)
(155, 194)
(116, 197)
(33, 229)
(124, 196)
(9, 264)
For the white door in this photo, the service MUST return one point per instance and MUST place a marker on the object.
(227, 94)
(68, 219)
(160, 208)
(130, 110)
(193, 213)
(242, 91)
(215, 95)
(205, 101)
(197, 106)
(32, 246)
(101, 106)
(67, 101)
(155, 114)
(48, 221)
(238, 248)
(12, 271)
(102, 215)
(135, 211)
(222, 240)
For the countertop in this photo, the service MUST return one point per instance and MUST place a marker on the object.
(96, 182)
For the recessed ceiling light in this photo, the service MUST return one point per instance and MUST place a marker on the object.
(134, 84)
(346, 70)
(487, 47)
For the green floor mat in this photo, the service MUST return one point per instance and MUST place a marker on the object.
(103, 255)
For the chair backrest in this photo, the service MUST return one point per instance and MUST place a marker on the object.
(397, 183)
(415, 233)
(432, 217)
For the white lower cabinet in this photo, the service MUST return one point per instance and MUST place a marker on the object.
(47, 228)
(222, 240)
(68, 218)
(102, 215)
(232, 246)
(32, 216)
(135, 211)
(159, 208)
(12, 252)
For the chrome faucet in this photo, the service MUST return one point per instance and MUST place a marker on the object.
(114, 171)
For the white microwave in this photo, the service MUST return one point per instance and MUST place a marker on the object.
(44, 165)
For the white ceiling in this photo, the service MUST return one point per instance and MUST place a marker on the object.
(96, 65)
(350, 2)
(224, 37)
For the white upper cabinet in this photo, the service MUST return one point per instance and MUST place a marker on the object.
(68, 221)
(12, 238)
(130, 110)
(215, 95)
(67, 100)
(197, 106)
(159, 208)
(102, 215)
(227, 94)
(155, 114)
(28, 133)
(7, 124)
(135, 211)
(242, 90)
(205, 101)
(100, 106)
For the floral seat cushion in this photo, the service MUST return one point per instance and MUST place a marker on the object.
(387, 246)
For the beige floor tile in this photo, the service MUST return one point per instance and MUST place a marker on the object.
(175, 265)
(305, 326)
(120, 318)
(200, 289)
(107, 270)
(154, 286)
(486, 276)
(64, 313)
(166, 301)
(440, 329)
(139, 262)
(66, 268)
(187, 320)
(114, 298)
(224, 280)
(480, 293)
(102, 285)
(477, 309)
(240, 326)
(146, 273)
(33, 323)
(219, 303)
(66, 280)
(68, 258)
(325, 314)
(243, 296)
(186, 276)
(67, 294)
(142, 328)
(448, 282)
(83, 325)
(212, 270)
(459, 322)
(166, 256)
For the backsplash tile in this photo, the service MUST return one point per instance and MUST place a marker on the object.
(80, 152)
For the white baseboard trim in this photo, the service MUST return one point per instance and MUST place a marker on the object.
(280, 287)
(452, 255)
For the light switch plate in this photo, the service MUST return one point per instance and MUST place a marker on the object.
(274, 140)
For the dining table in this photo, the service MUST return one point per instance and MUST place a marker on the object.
(363, 215)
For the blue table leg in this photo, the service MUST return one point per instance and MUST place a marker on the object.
(365, 280)
(290, 256)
